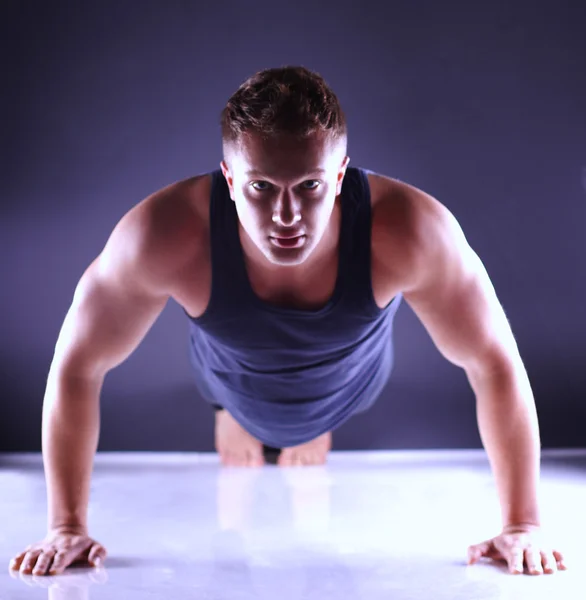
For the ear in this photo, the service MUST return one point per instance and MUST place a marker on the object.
(341, 174)
(228, 178)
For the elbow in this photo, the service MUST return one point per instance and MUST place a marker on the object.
(493, 365)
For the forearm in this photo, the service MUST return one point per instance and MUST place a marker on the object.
(509, 429)
(71, 423)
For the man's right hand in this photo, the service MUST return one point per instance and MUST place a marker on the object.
(57, 551)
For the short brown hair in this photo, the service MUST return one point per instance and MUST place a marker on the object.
(285, 100)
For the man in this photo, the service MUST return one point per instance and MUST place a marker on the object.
(290, 266)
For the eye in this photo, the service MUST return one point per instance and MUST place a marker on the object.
(312, 181)
(256, 183)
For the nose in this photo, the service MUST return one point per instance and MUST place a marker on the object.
(286, 213)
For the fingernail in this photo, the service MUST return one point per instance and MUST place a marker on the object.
(98, 562)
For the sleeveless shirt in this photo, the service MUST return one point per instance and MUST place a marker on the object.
(288, 375)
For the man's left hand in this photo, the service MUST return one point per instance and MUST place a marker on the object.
(518, 547)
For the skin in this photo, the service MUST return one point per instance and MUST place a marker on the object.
(160, 250)
(286, 194)
(283, 186)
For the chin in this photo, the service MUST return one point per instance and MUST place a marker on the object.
(287, 257)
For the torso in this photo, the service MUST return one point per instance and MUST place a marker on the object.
(395, 206)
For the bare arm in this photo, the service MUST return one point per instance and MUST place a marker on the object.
(455, 300)
(116, 302)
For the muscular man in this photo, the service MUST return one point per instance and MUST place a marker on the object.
(290, 266)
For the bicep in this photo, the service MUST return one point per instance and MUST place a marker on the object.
(113, 308)
(456, 302)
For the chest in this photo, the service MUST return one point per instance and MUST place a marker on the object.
(388, 265)
(309, 293)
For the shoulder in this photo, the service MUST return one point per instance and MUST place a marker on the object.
(166, 231)
(407, 224)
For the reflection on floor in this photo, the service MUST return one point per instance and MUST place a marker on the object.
(369, 525)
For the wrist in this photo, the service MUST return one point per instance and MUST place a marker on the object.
(521, 527)
(71, 528)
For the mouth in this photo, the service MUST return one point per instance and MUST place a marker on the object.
(294, 241)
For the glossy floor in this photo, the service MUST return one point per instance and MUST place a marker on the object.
(369, 525)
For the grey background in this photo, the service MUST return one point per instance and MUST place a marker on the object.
(481, 105)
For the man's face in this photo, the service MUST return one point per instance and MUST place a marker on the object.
(284, 190)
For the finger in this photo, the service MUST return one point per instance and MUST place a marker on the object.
(533, 558)
(97, 555)
(549, 562)
(17, 561)
(560, 560)
(28, 562)
(515, 561)
(61, 561)
(477, 551)
(43, 562)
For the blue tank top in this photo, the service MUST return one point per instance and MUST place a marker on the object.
(289, 375)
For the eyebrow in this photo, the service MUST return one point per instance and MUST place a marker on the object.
(257, 173)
